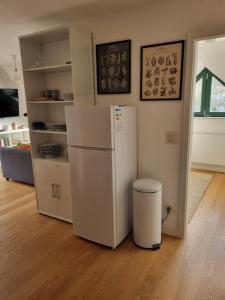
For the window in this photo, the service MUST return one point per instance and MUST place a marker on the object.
(209, 95)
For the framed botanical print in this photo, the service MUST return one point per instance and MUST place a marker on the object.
(161, 71)
(114, 67)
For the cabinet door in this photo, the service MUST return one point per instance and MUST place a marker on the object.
(82, 66)
(46, 187)
(63, 191)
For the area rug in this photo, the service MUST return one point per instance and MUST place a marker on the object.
(198, 186)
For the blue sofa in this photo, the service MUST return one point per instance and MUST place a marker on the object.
(16, 164)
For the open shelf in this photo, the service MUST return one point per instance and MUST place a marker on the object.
(50, 69)
(49, 131)
(13, 131)
(52, 102)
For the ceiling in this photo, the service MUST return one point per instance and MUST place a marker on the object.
(18, 17)
(29, 10)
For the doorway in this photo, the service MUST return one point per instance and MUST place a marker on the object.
(207, 134)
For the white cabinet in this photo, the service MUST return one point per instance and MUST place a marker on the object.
(12, 137)
(55, 59)
(53, 189)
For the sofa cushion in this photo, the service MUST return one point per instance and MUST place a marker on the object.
(24, 146)
(16, 164)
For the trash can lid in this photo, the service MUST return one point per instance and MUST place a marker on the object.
(147, 185)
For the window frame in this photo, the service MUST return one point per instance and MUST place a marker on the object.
(206, 75)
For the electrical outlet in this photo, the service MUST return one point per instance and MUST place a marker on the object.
(172, 213)
(173, 208)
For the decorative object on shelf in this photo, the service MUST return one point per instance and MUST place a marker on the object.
(4, 142)
(51, 126)
(39, 61)
(67, 96)
(39, 125)
(51, 94)
(59, 127)
(161, 71)
(55, 126)
(49, 150)
(14, 126)
(46, 94)
(114, 67)
(3, 127)
(15, 75)
(55, 94)
(22, 126)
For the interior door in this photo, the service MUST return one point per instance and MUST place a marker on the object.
(46, 187)
(63, 191)
(90, 126)
(92, 181)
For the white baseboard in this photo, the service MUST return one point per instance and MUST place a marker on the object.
(208, 167)
(169, 230)
(55, 217)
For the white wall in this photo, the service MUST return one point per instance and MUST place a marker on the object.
(164, 21)
(160, 21)
(208, 144)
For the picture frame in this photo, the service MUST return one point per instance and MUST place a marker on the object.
(113, 61)
(162, 71)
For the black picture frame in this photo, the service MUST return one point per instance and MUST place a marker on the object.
(173, 84)
(113, 61)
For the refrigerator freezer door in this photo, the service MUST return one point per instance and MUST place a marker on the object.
(92, 181)
(90, 126)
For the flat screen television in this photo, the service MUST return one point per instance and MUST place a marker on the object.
(9, 103)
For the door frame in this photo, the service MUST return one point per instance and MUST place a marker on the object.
(186, 136)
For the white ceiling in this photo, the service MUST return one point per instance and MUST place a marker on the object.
(18, 17)
(32, 9)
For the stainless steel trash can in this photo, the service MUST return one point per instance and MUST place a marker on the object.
(147, 213)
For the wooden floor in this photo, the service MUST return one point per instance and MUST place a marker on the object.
(40, 258)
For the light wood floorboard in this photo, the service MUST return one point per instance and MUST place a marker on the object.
(40, 258)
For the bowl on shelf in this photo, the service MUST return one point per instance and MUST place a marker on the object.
(39, 125)
(67, 96)
(3, 127)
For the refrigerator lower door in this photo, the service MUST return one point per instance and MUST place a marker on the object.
(92, 181)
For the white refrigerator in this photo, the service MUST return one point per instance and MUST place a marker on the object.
(102, 149)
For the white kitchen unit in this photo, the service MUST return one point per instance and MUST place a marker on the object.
(103, 164)
(58, 59)
(13, 136)
(53, 188)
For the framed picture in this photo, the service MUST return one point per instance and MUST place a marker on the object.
(161, 71)
(114, 67)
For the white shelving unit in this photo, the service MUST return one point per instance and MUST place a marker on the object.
(21, 135)
(48, 131)
(52, 102)
(50, 69)
(59, 59)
